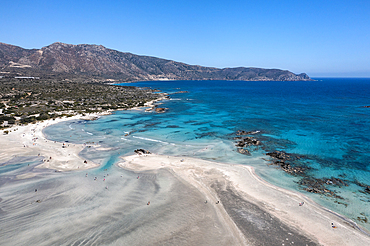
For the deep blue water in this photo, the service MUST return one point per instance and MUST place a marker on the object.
(323, 121)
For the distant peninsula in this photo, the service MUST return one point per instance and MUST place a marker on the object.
(84, 61)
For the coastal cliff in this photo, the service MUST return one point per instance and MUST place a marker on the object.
(103, 64)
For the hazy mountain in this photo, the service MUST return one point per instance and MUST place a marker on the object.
(59, 59)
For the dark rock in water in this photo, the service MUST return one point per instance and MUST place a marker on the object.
(281, 155)
(248, 141)
(241, 132)
(315, 185)
(287, 162)
(240, 144)
(141, 151)
(341, 203)
(362, 219)
(367, 187)
(243, 151)
(160, 110)
(172, 126)
(180, 92)
(335, 181)
(246, 144)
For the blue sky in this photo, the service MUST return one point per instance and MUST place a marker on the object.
(321, 38)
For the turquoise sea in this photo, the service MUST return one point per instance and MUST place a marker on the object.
(325, 122)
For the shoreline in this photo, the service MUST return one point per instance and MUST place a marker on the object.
(310, 219)
(29, 140)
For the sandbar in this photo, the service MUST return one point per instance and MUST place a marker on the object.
(235, 190)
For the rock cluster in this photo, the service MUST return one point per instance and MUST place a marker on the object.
(243, 151)
(241, 132)
(245, 143)
(315, 185)
(294, 164)
(142, 151)
(286, 162)
(160, 110)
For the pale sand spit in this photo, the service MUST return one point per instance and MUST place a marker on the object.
(212, 178)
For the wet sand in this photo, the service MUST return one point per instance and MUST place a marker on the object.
(72, 209)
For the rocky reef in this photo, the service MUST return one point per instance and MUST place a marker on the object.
(244, 144)
(288, 162)
(315, 185)
(292, 164)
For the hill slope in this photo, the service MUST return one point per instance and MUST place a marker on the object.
(59, 59)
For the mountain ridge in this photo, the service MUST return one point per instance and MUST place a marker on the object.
(90, 60)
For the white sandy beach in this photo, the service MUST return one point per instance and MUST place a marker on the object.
(29, 141)
(311, 220)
